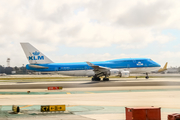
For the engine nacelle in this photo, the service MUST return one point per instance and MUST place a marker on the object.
(114, 72)
(125, 74)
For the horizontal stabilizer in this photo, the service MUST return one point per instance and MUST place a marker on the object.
(38, 67)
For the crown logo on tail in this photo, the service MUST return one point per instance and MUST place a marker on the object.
(36, 53)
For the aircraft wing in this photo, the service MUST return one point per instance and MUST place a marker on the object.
(99, 70)
(96, 67)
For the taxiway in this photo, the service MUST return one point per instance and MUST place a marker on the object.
(86, 100)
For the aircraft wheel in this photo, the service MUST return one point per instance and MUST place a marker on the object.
(147, 77)
(96, 79)
(105, 79)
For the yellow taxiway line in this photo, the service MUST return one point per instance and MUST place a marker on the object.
(26, 106)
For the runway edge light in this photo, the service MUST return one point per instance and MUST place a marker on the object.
(15, 109)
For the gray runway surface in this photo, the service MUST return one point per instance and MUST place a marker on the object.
(86, 83)
(89, 100)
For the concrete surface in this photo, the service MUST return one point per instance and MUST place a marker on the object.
(59, 75)
(114, 82)
(83, 102)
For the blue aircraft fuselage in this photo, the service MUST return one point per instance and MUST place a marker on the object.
(112, 64)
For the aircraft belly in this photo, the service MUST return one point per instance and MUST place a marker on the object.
(91, 72)
(77, 73)
(143, 70)
(70, 73)
(80, 73)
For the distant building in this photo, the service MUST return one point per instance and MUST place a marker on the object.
(8, 70)
(2, 70)
(172, 70)
(11, 70)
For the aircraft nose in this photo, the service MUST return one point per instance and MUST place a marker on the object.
(158, 65)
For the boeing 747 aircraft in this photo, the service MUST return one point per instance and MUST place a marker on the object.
(118, 67)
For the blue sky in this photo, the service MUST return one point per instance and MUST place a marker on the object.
(75, 30)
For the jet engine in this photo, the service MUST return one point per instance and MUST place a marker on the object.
(116, 72)
(125, 74)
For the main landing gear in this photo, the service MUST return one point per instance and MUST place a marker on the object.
(105, 79)
(147, 77)
(96, 78)
(99, 79)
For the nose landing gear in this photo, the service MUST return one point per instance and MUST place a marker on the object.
(147, 77)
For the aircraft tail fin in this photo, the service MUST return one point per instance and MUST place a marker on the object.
(164, 68)
(33, 55)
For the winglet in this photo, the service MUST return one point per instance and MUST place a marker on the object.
(164, 68)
